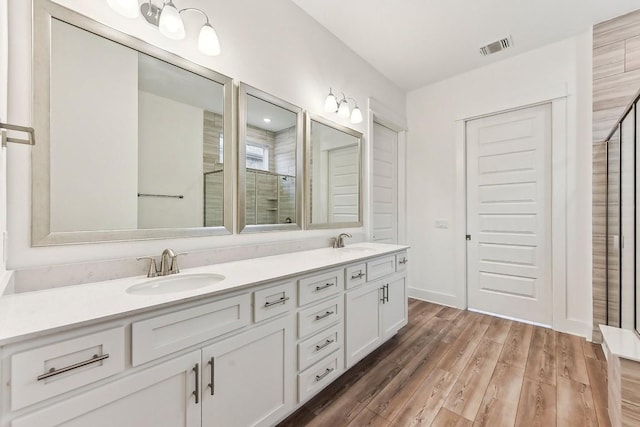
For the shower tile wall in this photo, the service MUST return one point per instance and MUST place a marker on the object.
(616, 79)
(213, 170)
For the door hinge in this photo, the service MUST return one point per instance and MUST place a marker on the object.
(468, 236)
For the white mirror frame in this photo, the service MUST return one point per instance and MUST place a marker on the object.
(41, 235)
(308, 173)
(244, 90)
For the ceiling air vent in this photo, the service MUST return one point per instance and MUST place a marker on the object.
(496, 46)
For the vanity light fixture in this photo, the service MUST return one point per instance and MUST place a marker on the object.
(168, 20)
(331, 105)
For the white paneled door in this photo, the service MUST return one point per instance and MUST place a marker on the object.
(385, 185)
(344, 184)
(509, 214)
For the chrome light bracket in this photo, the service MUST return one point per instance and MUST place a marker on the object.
(151, 13)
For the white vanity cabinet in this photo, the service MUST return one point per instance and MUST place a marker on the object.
(248, 379)
(249, 356)
(376, 310)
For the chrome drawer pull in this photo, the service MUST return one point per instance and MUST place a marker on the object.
(358, 276)
(320, 347)
(327, 372)
(196, 392)
(404, 261)
(280, 301)
(323, 316)
(321, 288)
(53, 371)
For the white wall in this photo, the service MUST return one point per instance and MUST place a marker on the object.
(170, 162)
(4, 88)
(271, 45)
(431, 162)
(94, 126)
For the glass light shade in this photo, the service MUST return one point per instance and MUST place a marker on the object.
(343, 109)
(356, 115)
(208, 42)
(331, 103)
(171, 24)
(126, 8)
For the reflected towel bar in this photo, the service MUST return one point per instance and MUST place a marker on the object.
(168, 196)
(4, 127)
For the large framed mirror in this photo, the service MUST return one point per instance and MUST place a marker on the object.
(269, 162)
(133, 142)
(333, 171)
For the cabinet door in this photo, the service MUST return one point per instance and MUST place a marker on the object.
(248, 379)
(363, 328)
(162, 396)
(394, 308)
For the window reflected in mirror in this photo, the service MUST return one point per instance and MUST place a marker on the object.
(270, 141)
(334, 182)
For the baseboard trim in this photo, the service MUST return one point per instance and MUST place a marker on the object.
(436, 298)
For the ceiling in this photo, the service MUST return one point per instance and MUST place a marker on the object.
(418, 42)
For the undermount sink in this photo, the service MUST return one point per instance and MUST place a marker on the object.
(355, 250)
(177, 283)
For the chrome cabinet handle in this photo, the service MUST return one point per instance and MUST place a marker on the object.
(325, 315)
(280, 301)
(321, 288)
(327, 372)
(386, 293)
(358, 276)
(403, 261)
(53, 371)
(383, 299)
(326, 343)
(196, 392)
(212, 363)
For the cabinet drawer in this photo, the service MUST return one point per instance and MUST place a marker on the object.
(162, 335)
(319, 316)
(319, 376)
(355, 275)
(381, 267)
(48, 371)
(273, 301)
(401, 261)
(319, 345)
(320, 286)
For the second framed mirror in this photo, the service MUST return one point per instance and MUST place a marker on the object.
(269, 162)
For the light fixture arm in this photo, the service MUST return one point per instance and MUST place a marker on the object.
(195, 9)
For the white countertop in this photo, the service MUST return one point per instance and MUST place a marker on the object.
(31, 314)
(621, 342)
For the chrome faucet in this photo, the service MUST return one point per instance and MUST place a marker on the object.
(168, 255)
(168, 264)
(338, 242)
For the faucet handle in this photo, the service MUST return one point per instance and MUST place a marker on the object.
(153, 270)
(174, 269)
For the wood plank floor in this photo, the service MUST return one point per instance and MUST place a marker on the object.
(451, 367)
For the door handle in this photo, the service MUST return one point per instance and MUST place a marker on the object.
(212, 363)
(196, 392)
